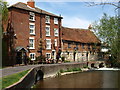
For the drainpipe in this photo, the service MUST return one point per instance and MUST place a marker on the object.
(41, 30)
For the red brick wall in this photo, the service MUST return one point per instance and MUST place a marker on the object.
(65, 47)
(20, 21)
(52, 37)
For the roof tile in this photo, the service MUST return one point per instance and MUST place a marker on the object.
(79, 35)
(26, 7)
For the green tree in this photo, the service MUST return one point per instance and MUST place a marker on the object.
(107, 29)
(3, 24)
(4, 10)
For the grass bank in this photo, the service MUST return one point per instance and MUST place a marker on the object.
(71, 70)
(11, 79)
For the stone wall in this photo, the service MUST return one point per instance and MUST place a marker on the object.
(48, 70)
(80, 56)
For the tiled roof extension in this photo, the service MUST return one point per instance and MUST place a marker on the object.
(79, 35)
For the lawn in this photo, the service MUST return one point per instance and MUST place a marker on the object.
(11, 79)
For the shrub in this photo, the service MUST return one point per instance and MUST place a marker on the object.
(41, 59)
(68, 70)
(76, 69)
(85, 66)
(61, 70)
(66, 61)
(63, 59)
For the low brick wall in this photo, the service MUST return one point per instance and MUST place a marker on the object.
(48, 70)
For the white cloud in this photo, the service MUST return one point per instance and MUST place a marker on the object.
(75, 22)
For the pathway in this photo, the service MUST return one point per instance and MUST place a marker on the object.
(16, 69)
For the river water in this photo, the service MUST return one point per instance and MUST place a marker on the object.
(89, 79)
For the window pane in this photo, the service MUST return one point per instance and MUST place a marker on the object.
(69, 45)
(55, 31)
(32, 56)
(47, 19)
(31, 30)
(31, 26)
(48, 44)
(55, 20)
(48, 56)
(47, 31)
(31, 43)
(55, 42)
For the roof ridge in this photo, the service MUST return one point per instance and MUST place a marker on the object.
(17, 3)
(24, 6)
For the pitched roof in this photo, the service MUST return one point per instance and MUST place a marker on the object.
(79, 35)
(24, 6)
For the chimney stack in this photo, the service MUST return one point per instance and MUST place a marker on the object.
(90, 27)
(31, 3)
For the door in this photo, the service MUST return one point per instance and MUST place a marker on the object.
(54, 54)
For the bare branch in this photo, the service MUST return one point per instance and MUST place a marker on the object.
(89, 4)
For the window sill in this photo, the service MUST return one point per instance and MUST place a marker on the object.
(32, 34)
(47, 22)
(47, 35)
(56, 23)
(48, 48)
(31, 48)
(32, 59)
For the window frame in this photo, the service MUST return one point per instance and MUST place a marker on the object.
(55, 20)
(49, 44)
(77, 46)
(88, 46)
(32, 28)
(34, 56)
(83, 46)
(50, 55)
(56, 29)
(33, 15)
(47, 26)
(33, 43)
(56, 43)
(47, 21)
(69, 45)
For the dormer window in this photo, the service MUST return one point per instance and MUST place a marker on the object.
(47, 19)
(55, 20)
(32, 16)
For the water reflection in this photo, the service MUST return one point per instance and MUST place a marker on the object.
(92, 79)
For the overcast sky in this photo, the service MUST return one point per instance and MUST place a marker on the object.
(76, 14)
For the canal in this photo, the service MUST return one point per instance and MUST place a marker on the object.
(89, 79)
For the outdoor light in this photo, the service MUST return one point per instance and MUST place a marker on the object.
(28, 46)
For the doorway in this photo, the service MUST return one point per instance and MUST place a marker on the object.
(21, 56)
(54, 54)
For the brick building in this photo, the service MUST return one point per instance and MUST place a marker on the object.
(32, 32)
(79, 44)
